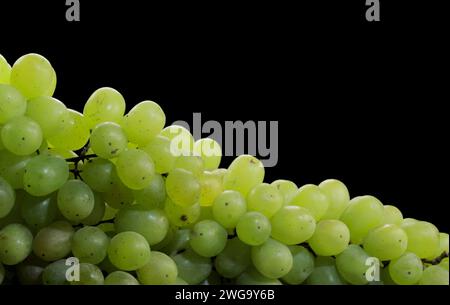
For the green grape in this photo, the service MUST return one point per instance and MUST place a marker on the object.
(7, 197)
(13, 216)
(408, 221)
(178, 243)
(5, 72)
(292, 225)
(434, 275)
(22, 136)
(12, 168)
(264, 198)
(423, 238)
(55, 273)
(129, 251)
(120, 195)
(192, 267)
(49, 113)
(120, 278)
(160, 270)
(98, 174)
(210, 151)
(302, 265)
(90, 244)
(104, 105)
(108, 140)
(406, 269)
(351, 264)
(272, 259)
(29, 272)
(331, 237)
(253, 277)
(135, 168)
(75, 200)
(325, 272)
(89, 275)
(38, 212)
(234, 259)
(152, 196)
(363, 214)
(208, 238)
(443, 246)
(312, 197)
(287, 188)
(181, 140)
(386, 242)
(34, 76)
(152, 224)
(159, 150)
(253, 228)
(107, 266)
(228, 208)
(180, 281)
(392, 215)
(53, 242)
(15, 244)
(182, 187)
(338, 198)
(12, 103)
(75, 133)
(193, 164)
(211, 186)
(98, 212)
(444, 263)
(244, 173)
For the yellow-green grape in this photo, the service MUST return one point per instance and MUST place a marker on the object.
(7, 197)
(178, 243)
(183, 187)
(331, 237)
(408, 221)
(5, 72)
(120, 195)
(15, 244)
(152, 224)
(75, 200)
(228, 208)
(98, 212)
(244, 173)
(253, 277)
(253, 228)
(302, 266)
(208, 238)
(423, 238)
(160, 270)
(12, 103)
(104, 105)
(144, 122)
(22, 136)
(311, 197)
(2, 147)
(192, 267)
(166, 240)
(34, 76)
(444, 263)
(120, 278)
(12, 168)
(292, 225)
(44, 175)
(90, 245)
(264, 198)
(129, 251)
(325, 272)
(153, 195)
(38, 212)
(338, 198)
(234, 259)
(406, 269)
(75, 133)
(287, 188)
(98, 174)
(181, 140)
(272, 259)
(49, 113)
(363, 214)
(89, 275)
(159, 150)
(210, 151)
(443, 246)
(434, 275)
(392, 215)
(386, 242)
(193, 164)
(55, 273)
(53, 242)
(211, 186)
(135, 168)
(108, 140)
(351, 264)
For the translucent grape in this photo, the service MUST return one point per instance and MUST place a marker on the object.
(208, 238)
(5, 72)
(12, 103)
(120, 278)
(234, 259)
(74, 135)
(12, 168)
(292, 225)
(181, 140)
(7, 197)
(253, 228)
(192, 267)
(15, 244)
(244, 173)
(253, 277)
(55, 273)
(89, 275)
(98, 212)
(338, 198)
(302, 266)
(159, 150)
(272, 259)
(264, 198)
(193, 164)
(434, 275)
(49, 113)
(228, 208)
(210, 151)
(443, 246)
(211, 186)
(90, 245)
(351, 264)
(104, 105)
(53, 242)
(129, 251)
(75, 200)
(423, 238)
(331, 237)
(22, 136)
(108, 140)
(154, 195)
(120, 195)
(325, 272)
(312, 198)
(287, 188)
(38, 212)
(160, 270)
(135, 168)
(406, 269)
(182, 187)
(386, 242)
(392, 215)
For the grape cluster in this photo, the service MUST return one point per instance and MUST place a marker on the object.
(110, 190)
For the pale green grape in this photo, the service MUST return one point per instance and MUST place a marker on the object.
(244, 173)
(434, 275)
(208, 238)
(325, 272)
(444, 263)
(338, 198)
(264, 198)
(253, 277)
(363, 214)
(406, 269)
(193, 164)
(104, 105)
(152, 224)
(7, 197)
(211, 186)
(311, 197)
(272, 259)
(302, 265)
(423, 238)
(129, 251)
(178, 243)
(38, 212)
(292, 225)
(181, 140)
(120, 195)
(120, 278)
(154, 195)
(15, 244)
(331, 237)
(34, 76)
(22, 136)
(351, 264)
(210, 151)
(74, 135)
(98, 174)
(160, 270)
(90, 245)
(159, 150)
(166, 240)
(75, 200)
(5, 72)
(12, 103)
(228, 208)
(98, 212)
(192, 267)
(253, 228)
(108, 140)
(287, 188)
(53, 242)
(386, 242)
(443, 246)
(55, 273)
(182, 187)
(12, 168)
(49, 113)
(392, 215)
(234, 259)
(144, 122)
(135, 168)
(89, 275)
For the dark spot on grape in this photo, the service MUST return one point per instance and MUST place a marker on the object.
(92, 254)
(226, 203)
(23, 138)
(28, 185)
(143, 178)
(184, 218)
(340, 235)
(167, 275)
(77, 215)
(259, 228)
(399, 240)
(109, 143)
(201, 234)
(43, 254)
(409, 272)
(121, 203)
(6, 251)
(114, 151)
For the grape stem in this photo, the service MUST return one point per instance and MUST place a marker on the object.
(437, 260)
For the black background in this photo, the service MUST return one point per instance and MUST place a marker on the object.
(358, 101)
